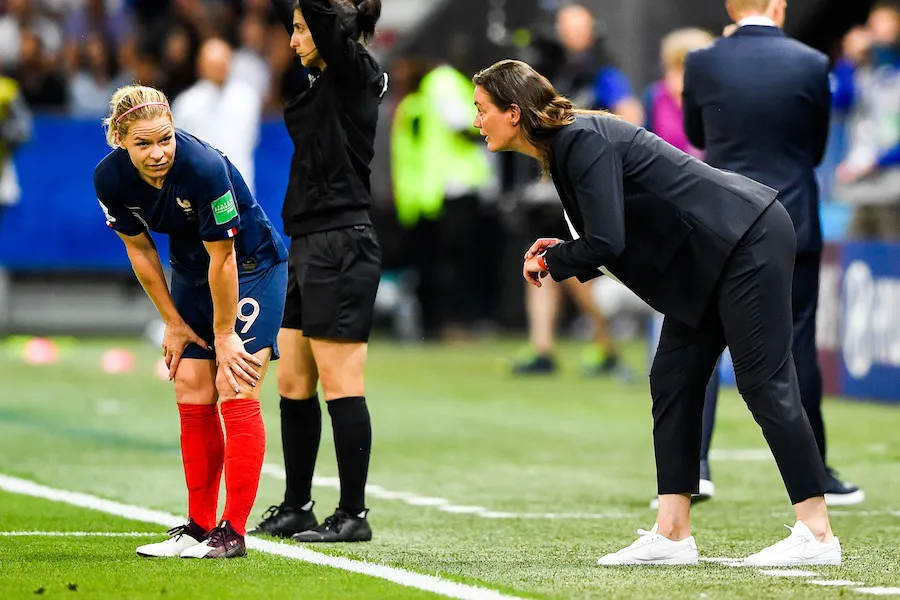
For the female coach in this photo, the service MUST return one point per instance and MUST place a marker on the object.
(229, 276)
(712, 251)
(334, 265)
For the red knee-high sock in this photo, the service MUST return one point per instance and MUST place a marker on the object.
(203, 455)
(245, 448)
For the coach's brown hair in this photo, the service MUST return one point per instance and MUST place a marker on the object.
(543, 110)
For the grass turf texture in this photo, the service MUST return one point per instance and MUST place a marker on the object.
(448, 422)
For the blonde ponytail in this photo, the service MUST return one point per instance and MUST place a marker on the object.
(133, 103)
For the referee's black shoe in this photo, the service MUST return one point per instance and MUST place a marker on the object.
(284, 521)
(339, 527)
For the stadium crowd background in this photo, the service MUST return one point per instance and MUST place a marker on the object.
(66, 58)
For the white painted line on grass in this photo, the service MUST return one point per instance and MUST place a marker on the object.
(864, 513)
(413, 499)
(787, 573)
(723, 560)
(833, 582)
(879, 591)
(852, 513)
(428, 583)
(741, 455)
(77, 534)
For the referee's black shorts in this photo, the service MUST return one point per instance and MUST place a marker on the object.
(332, 281)
(544, 220)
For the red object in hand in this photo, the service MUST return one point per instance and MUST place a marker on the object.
(542, 263)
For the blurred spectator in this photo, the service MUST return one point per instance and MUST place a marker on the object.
(42, 83)
(177, 62)
(440, 170)
(221, 110)
(24, 15)
(866, 84)
(95, 79)
(248, 63)
(106, 18)
(587, 74)
(15, 130)
(662, 101)
(580, 67)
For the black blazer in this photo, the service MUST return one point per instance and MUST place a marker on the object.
(759, 102)
(663, 222)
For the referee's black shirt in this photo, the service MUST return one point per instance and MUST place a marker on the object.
(332, 124)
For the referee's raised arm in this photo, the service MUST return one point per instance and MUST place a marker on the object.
(337, 30)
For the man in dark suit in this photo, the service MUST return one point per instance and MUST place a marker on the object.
(759, 103)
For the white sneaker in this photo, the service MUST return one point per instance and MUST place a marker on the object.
(182, 538)
(799, 548)
(654, 549)
(706, 491)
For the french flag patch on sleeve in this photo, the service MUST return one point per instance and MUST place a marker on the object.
(231, 232)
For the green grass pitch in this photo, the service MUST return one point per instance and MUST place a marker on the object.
(450, 423)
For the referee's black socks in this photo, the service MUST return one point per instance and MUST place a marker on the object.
(301, 430)
(352, 446)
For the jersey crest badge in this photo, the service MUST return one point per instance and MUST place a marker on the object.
(186, 207)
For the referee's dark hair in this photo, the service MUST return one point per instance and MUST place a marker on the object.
(358, 17)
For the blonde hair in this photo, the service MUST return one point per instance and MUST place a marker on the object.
(740, 6)
(133, 103)
(677, 45)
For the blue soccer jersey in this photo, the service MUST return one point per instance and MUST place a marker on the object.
(203, 199)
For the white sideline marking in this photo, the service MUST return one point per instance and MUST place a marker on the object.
(853, 513)
(787, 573)
(880, 591)
(428, 583)
(76, 534)
(864, 513)
(724, 560)
(413, 499)
(833, 582)
(742, 455)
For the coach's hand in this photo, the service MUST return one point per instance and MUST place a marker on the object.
(541, 245)
(532, 272)
(175, 340)
(235, 362)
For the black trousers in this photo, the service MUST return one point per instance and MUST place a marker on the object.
(805, 301)
(750, 312)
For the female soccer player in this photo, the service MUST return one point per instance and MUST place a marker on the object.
(712, 251)
(334, 266)
(229, 277)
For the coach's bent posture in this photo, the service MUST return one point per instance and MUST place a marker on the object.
(714, 252)
(229, 278)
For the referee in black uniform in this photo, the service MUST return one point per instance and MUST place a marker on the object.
(711, 250)
(334, 265)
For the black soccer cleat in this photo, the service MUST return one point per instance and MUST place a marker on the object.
(534, 364)
(339, 527)
(284, 521)
(222, 542)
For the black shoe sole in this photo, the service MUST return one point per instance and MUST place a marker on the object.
(285, 533)
(335, 540)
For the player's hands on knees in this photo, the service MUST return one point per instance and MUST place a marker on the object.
(235, 363)
(541, 245)
(532, 272)
(176, 338)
